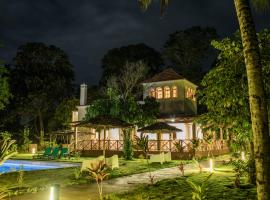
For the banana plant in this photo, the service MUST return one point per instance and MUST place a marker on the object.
(5, 149)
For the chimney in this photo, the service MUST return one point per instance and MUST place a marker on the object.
(83, 94)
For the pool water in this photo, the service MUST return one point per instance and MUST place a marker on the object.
(15, 165)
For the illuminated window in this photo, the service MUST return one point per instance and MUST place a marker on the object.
(159, 93)
(190, 94)
(152, 93)
(167, 92)
(174, 92)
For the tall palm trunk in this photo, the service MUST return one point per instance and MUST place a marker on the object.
(258, 108)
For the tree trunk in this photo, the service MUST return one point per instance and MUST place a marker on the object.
(41, 128)
(258, 109)
(251, 165)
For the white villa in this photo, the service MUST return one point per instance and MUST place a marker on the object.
(178, 107)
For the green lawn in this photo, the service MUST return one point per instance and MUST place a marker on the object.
(220, 186)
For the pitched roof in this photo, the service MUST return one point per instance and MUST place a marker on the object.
(104, 121)
(166, 75)
(159, 127)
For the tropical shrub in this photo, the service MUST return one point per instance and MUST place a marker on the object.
(127, 149)
(240, 168)
(7, 147)
(24, 140)
(98, 172)
(199, 190)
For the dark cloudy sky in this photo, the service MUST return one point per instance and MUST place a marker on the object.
(86, 29)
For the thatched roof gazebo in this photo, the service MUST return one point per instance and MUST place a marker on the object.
(102, 123)
(159, 128)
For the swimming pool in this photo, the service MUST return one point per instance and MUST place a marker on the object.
(15, 165)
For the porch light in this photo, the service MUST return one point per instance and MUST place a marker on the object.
(211, 165)
(243, 156)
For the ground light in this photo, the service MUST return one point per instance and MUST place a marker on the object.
(54, 192)
(211, 165)
(33, 150)
(243, 156)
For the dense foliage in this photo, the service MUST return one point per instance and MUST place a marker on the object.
(41, 78)
(4, 87)
(120, 99)
(189, 49)
(225, 88)
(115, 59)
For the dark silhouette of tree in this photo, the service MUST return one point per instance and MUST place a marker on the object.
(188, 49)
(115, 59)
(41, 78)
(4, 87)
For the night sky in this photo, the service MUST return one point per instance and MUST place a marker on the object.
(86, 29)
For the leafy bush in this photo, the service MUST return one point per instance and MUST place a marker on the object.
(98, 172)
(240, 168)
(7, 147)
(197, 164)
(20, 176)
(181, 168)
(127, 149)
(77, 173)
(24, 140)
(199, 190)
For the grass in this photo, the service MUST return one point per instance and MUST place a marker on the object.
(220, 186)
(39, 180)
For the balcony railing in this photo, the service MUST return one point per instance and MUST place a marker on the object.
(153, 145)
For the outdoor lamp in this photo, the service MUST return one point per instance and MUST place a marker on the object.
(33, 150)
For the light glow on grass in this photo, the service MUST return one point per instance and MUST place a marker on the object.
(211, 165)
(52, 193)
(33, 150)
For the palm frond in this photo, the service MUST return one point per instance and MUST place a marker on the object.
(163, 6)
(144, 4)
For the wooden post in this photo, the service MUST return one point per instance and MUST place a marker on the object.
(104, 138)
(158, 142)
(99, 132)
(170, 141)
(76, 138)
(194, 135)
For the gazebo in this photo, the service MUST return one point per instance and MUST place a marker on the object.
(101, 123)
(63, 134)
(159, 128)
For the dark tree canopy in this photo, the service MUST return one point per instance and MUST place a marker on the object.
(188, 49)
(115, 60)
(225, 87)
(41, 78)
(4, 87)
(42, 69)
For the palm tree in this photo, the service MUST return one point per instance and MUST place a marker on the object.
(257, 100)
(5, 152)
